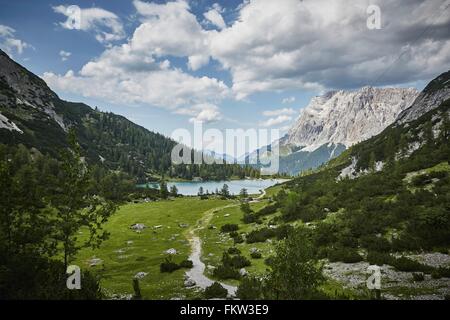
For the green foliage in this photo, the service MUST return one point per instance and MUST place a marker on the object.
(226, 272)
(346, 255)
(229, 227)
(215, 291)
(233, 250)
(250, 288)
(74, 207)
(186, 264)
(243, 193)
(163, 191)
(296, 273)
(418, 276)
(30, 276)
(256, 255)
(245, 208)
(169, 266)
(174, 191)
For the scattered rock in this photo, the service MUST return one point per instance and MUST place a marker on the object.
(138, 227)
(243, 272)
(189, 283)
(129, 242)
(95, 262)
(183, 225)
(140, 275)
(254, 250)
(226, 215)
(171, 251)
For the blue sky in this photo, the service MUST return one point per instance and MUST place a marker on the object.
(230, 64)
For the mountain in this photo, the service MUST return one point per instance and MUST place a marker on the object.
(384, 201)
(33, 115)
(431, 97)
(337, 120)
(424, 120)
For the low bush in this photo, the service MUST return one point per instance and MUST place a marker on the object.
(250, 218)
(234, 250)
(237, 238)
(346, 255)
(378, 258)
(235, 261)
(187, 264)
(215, 291)
(168, 266)
(229, 228)
(409, 265)
(418, 276)
(226, 272)
(260, 235)
(256, 255)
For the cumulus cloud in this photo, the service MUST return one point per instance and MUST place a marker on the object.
(214, 16)
(9, 43)
(271, 46)
(204, 112)
(105, 24)
(288, 100)
(127, 76)
(276, 121)
(64, 55)
(276, 45)
(277, 112)
(171, 29)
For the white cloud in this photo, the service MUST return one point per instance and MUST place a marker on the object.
(291, 44)
(277, 112)
(126, 76)
(214, 16)
(105, 25)
(64, 55)
(276, 121)
(288, 100)
(271, 46)
(9, 43)
(204, 112)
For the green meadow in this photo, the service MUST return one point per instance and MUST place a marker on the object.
(127, 252)
(169, 224)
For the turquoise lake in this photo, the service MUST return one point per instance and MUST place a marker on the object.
(190, 188)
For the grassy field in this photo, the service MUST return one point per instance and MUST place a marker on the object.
(127, 252)
(215, 242)
(169, 223)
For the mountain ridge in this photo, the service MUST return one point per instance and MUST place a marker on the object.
(33, 115)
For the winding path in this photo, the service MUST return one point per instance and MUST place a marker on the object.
(196, 273)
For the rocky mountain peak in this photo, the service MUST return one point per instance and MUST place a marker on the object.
(348, 117)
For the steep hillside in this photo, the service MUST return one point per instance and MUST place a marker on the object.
(33, 115)
(384, 201)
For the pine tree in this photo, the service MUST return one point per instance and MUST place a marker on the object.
(74, 207)
(243, 193)
(372, 162)
(163, 190)
(174, 191)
